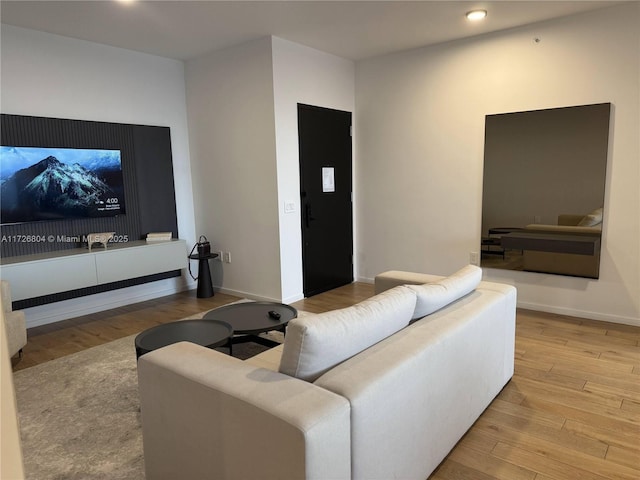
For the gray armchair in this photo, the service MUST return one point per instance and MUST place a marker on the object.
(15, 323)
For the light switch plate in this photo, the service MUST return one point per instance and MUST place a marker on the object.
(289, 207)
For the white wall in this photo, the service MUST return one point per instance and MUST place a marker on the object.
(232, 138)
(53, 76)
(420, 123)
(301, 75)
(242, 108)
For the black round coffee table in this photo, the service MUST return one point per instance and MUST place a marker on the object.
(248, 319)
(202, 332)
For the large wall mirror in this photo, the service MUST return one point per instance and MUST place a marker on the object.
(543, 190)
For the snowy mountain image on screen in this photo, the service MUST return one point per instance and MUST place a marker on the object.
(51, 189)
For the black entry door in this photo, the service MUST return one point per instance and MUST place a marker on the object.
(325, 198)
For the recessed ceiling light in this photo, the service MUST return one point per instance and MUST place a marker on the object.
(476, 15)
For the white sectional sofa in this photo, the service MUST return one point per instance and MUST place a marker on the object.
(380, 390)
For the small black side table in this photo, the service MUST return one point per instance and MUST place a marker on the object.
(205, 287)
(207, 333)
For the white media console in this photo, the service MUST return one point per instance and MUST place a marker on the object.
(33, 276)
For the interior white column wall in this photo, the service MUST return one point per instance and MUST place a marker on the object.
(53, 76)
(232, 139)
(301, 75)
(420, 123)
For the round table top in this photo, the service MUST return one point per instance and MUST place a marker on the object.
(253, 317)
(208, 256)
(202, 332)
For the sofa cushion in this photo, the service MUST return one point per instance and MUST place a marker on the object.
(433, 296)
(317, 343)
(592, 219)
(392, 278)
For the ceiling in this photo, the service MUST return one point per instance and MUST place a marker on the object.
(349, 29)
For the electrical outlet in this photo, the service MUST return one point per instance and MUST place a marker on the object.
(219, 252)
(227, 257)
(473, 258)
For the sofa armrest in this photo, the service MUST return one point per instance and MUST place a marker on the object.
(5, 296)
(16, 327)
(392, 278)
(15, 322)
(269, 359)
(208, 415)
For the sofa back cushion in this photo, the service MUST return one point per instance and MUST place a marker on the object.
(592, 219)
(316, 343)
(434, 296)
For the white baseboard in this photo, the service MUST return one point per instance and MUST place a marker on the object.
(259, 298)
(76, 307)
(365, 280)
(572, 312)
(294, 298)
(242, 294)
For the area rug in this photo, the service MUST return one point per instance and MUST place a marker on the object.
(79, 415)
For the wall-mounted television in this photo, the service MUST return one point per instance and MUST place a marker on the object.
(59, 183)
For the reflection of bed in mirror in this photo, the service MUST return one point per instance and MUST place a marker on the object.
(540, 165)
(572, 247)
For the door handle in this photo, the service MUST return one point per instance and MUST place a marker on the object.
(308, 217)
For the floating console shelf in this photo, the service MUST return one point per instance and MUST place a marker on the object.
(38, 275)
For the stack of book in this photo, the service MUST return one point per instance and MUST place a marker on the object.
(158, 236)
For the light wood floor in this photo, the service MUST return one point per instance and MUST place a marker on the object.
(571, 411)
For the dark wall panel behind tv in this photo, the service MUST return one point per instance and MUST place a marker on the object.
(147, 172)
(154, 169)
